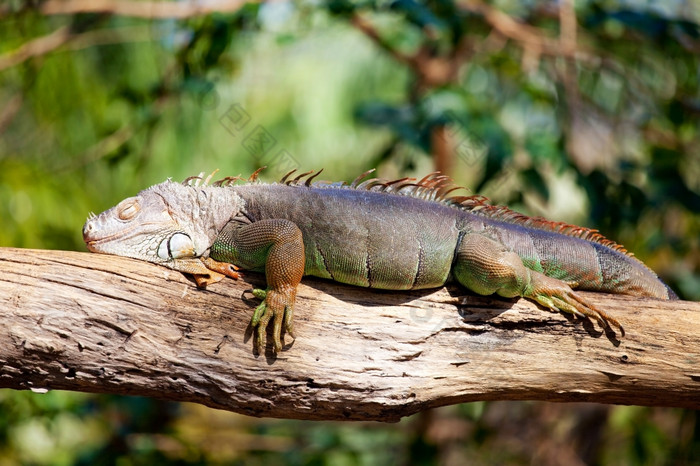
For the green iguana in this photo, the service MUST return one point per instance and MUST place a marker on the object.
(400, 235)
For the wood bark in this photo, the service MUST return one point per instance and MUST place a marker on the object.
(105, 324)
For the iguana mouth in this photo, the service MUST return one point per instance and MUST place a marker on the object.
(97, 241)
(89, 230)
(91, 243)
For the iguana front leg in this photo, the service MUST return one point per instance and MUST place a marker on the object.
(277, 247)
(487, 267)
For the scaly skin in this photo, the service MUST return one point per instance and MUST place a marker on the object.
(393, 235)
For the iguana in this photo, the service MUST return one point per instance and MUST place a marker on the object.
(403, 234)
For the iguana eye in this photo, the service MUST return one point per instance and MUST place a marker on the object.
(177, 246)
(128, 210)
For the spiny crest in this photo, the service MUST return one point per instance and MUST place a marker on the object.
(434, 187)
(199, 180)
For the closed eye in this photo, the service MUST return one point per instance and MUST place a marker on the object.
(128, 209)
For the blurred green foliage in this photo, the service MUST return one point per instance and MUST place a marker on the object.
(94, 107)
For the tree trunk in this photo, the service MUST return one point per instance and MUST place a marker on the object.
(97, 323)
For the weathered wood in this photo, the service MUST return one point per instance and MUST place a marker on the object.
(98, 323)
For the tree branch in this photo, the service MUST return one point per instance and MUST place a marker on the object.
(97, 323)
(63, 39)
(145, 9)
(36, 47)
(532, 39)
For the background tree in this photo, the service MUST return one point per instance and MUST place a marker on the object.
(583, 112)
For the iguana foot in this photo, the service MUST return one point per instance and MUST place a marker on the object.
(223, 268)
(558, 296)
(205, 270)
(278, 306)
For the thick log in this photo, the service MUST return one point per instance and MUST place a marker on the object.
(97, 323)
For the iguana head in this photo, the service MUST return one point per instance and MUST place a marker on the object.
(164, 222)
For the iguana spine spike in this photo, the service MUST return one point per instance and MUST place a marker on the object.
(357, 180)
(227, 181)
(254, 176)
(295, 181)
(188, 181)
(284, 178)
(308, 180)
(208, 179)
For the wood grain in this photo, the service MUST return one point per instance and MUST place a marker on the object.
(97, 323)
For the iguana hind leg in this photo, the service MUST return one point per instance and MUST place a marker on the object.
(487, 267)
(277, 246)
